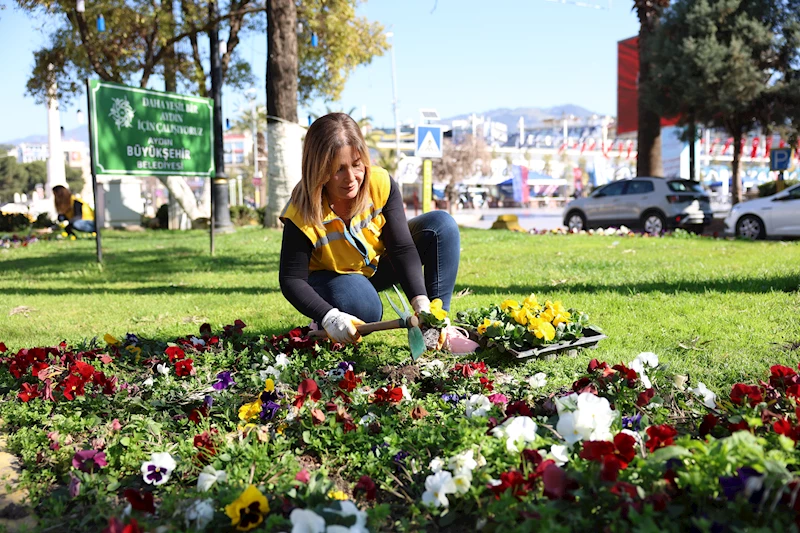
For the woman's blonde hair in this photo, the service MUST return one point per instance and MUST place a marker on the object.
(325, 137)
(63, 200)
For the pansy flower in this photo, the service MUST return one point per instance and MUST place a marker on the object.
(89, 460)
(29, 392)
(209, 476)
(248, 510)
(184, 367)
(140, 501)
(175, 353)
(224, 381)
(157, 470)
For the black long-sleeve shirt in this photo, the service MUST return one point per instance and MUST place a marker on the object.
(296, 251)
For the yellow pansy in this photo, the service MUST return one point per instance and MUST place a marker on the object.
(554, 312)
(482, 327)
(522, 316)
(509, 304)
(248, 510)
(269, 385)
(72, 237)
(542, 329)
(110, 340)
(250, 410)
(531, 302)
(437, 311)
(337, 495)
(64, 233)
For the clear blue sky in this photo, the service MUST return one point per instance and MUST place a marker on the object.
(463, 56)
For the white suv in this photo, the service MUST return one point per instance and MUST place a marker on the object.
(653, 204)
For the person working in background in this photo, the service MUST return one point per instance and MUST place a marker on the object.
(78, 215)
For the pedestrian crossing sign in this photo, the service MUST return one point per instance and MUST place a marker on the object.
(428, 141)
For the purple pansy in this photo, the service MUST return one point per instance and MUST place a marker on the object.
(224, 381)
(451, 397)
(74, 485)
(632, 422)
(269, 409)
(89, 460)
(747, 481)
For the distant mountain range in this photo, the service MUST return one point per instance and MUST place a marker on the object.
(533, 115)
(81, 133)
(510, 117)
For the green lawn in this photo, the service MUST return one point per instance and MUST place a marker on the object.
(718, 310)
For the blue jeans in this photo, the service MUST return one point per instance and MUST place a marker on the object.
(81, 224)
(438, 243)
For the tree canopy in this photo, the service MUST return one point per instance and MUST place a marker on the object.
(730, 64)
(142, 38)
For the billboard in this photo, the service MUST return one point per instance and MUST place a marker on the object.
(628, 88)
(142, 132)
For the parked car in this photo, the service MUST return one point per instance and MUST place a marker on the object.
(653, 204)
(772, 216)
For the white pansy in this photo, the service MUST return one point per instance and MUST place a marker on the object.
(197, 342)
(518, 432)
(637, 365)
(368, 419)
(537, 381)
(568, 429)
(437, 487)
(336, 373)
(591, 420)
(406, 394)
(157, 470)
(463, 482)
(148, 382)
(559, 453)
(649, 358)
(595, 414)
(462, 463)
(434, 368)
(199, 514)
(436, 464)
(306, 521)
(281, 360)
(480, 460)
(565, 404)
(709, 398)
(209, 476)
(478, 405)
(272, 371)
(162, 368)
(346, 510)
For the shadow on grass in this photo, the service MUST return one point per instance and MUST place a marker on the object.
(137, 267)
(755, 285)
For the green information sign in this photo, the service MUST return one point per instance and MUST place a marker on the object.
(143, 132)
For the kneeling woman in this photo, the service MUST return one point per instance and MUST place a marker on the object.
(346, 236)
(78, 215)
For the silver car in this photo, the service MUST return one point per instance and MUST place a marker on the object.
(772, 216)
(653, 204)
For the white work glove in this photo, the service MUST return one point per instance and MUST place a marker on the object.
(341, 327)
(421, 303)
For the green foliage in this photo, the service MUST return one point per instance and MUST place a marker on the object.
(242, 215)
(23, 177)
(725, 63)
(140, 36)
(771, 187)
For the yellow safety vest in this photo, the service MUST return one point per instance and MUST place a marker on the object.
(353, 249)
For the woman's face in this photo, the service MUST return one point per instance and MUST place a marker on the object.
(347, 180)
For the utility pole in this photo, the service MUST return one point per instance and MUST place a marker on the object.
(220, 211)
(390, 35)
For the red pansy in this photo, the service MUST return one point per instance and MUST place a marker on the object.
(740, 391)
(140, 501)
(184, 367)
(29, 392)
(175, 353)
(387, 395)
(660, 437)
(308, 389)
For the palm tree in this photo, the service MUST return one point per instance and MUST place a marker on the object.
(649, 130)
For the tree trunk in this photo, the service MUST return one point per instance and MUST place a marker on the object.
(182, 193)
(649, 131)
(283, 133)
(736, 180)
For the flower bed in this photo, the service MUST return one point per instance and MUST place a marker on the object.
(220, 431)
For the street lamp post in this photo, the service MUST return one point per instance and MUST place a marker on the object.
(221, 212)
(390, 35)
